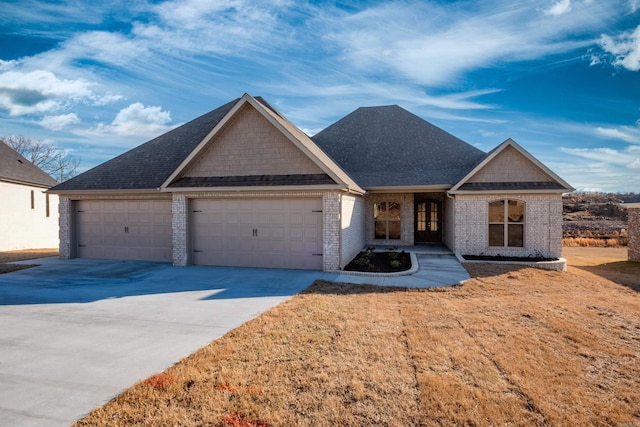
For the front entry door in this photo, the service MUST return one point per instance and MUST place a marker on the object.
(428, 221)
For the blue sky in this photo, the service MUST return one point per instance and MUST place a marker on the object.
(560, 77)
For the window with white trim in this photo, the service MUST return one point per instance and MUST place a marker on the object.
(386, 218)
(506, 223)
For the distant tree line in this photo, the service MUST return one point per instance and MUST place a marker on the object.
(53, 160)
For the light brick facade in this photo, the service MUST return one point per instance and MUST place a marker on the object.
(543, 225)
(634, 234)
(180, 227)
(406, 218)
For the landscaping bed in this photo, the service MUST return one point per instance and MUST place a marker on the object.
(380, 262)
(506, 258)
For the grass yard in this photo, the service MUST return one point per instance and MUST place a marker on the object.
(7, 257)
(512, 346)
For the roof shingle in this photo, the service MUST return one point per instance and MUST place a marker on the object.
(389, 146)
(14, 167)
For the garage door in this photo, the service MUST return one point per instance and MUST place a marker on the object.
(269, 233)
(124, 229)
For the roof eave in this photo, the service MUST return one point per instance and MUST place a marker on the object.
(26, 183)
(408, 188)
(265, 188)
(514, 191)
(111, 191)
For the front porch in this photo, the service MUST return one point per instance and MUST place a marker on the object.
(409, 220)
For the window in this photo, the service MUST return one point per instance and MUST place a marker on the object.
(386, 217)
(506, 223)
(47, 205)
(33, 200)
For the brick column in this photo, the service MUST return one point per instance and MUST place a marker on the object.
(180, 226)
(331, 233)
(634, 234)
(65, 224)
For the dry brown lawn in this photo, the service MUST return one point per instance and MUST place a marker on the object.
(512, 346)
(7, 257)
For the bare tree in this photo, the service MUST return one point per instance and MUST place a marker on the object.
(51, 159)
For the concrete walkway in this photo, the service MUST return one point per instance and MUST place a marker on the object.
(76, 333)
(435, 270)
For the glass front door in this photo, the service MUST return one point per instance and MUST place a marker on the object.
(428, 221)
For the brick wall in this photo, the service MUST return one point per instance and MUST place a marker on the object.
(65, 224)
(634, 234)
(352, 228)
(331, 232)
(180, 227)
(543, 225)
(251, 145)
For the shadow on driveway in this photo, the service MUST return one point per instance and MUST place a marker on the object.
(83, 281)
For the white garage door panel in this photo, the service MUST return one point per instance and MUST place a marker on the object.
(271, 233)
(124, 229)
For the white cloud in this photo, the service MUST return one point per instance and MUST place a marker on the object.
(628, 157)
(634, 5)
(624, 47)
(625, 133)
(138, 120)
(434, 44)
(38, 91)
(559, 8)
(59, 122)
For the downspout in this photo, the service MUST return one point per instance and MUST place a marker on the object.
(453, 249)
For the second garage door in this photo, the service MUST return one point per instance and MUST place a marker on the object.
(124, 229)
(269, 233)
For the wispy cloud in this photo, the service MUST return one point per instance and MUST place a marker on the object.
(624, 47)
(625, 133)
(559, 8)
(59, 122)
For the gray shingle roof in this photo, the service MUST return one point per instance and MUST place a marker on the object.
(635, 199)
(389, 146)
(14, 167)
(150, 164)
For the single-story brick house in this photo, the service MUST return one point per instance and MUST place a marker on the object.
(28, 215)
(243, 186)
(633, 224)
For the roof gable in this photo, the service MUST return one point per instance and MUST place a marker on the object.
(390, 147)
(250, 145)
(257, 141)
(16, 168)
(148, 165)
(509, 167)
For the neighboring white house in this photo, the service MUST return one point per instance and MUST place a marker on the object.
(28, 215)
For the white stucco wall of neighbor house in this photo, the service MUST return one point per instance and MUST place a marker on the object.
(28, 217)
(543, 225)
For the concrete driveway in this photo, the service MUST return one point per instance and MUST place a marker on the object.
(75, 333)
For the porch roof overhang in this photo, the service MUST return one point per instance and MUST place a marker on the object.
(409, 189)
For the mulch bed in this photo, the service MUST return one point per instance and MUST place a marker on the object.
(506, 258)
(380, 262)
